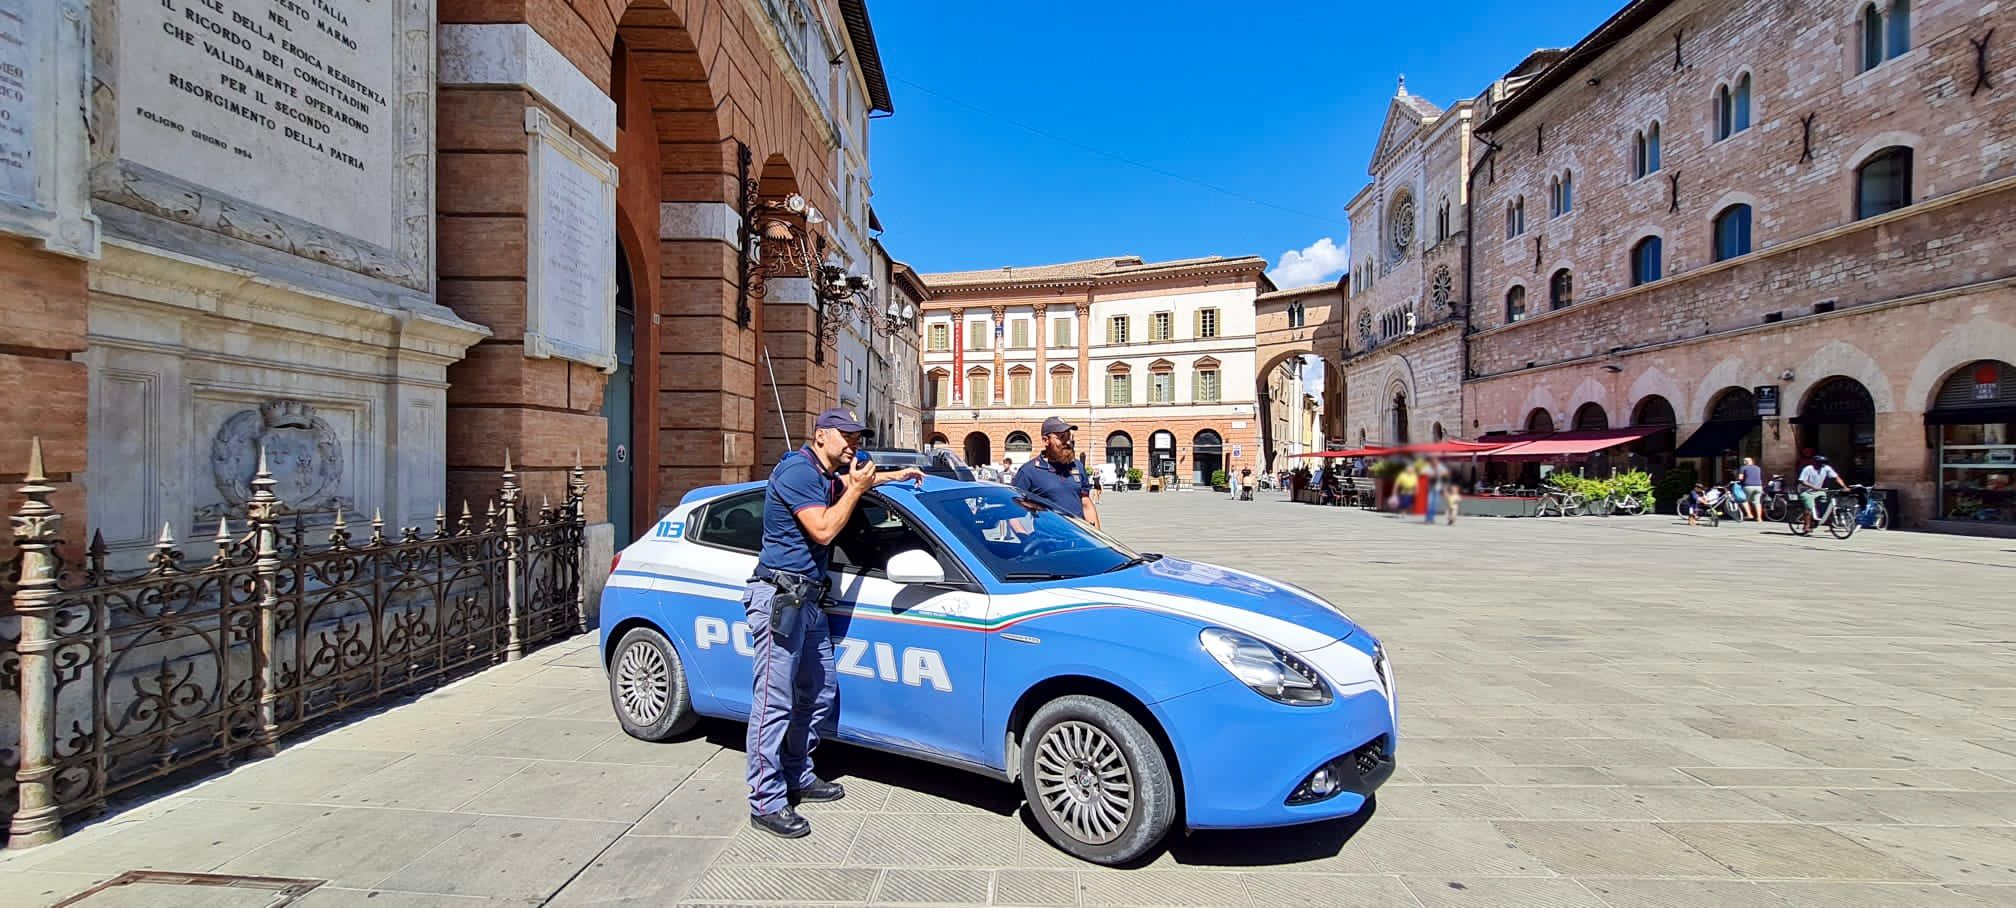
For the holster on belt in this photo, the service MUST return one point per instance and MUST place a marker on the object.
(793, 590)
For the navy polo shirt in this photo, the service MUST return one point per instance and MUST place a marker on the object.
(796, 484)
(1063, 487)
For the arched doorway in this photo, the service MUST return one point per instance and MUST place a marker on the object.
(1731, 433)
(1654, 452)
(1539, 421)
(1398, 426)
(1207, 456)
(938, 440)
(1838, 422)
(1162, 453)
(618, 407)
(1120, 453)
(979, 449)
(1591, 417)
(1017, 447)
(1974, 415)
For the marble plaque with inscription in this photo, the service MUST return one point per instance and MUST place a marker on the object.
(17, 103)
(571, 272)
(286, 104)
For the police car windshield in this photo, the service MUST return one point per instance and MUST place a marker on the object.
(1019, 540)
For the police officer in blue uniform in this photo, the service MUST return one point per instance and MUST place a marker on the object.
(813, 491)
(1056, 478)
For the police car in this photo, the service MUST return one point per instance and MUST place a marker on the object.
(1125, 692)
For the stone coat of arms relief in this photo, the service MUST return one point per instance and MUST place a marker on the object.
(303, 452)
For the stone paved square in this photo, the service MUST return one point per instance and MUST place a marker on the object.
(1593, 712)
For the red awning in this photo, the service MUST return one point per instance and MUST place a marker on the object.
(1350, 452)
(1448, 446)
(1574, 444)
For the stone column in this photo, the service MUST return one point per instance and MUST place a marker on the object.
(39, 819)
(1085, 352)
(1040, 330)
(1000, 328)
(958, 377)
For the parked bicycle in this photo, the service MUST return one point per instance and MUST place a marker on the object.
(1777, 500)
(1561, 503)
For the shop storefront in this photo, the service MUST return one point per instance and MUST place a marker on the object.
(1973, 424)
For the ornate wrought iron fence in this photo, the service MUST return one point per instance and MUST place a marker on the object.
(125, 677)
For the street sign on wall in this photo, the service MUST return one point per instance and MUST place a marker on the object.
(1767, 400)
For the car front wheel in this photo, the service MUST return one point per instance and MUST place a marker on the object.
(1096, 780)
(647, 685)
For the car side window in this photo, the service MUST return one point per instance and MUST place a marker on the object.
(735, 522)
(872, 536)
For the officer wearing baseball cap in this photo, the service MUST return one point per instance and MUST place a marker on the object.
(1056, 478)
(812, 493)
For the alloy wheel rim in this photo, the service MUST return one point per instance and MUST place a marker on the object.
(643, 683)
(1084, 782)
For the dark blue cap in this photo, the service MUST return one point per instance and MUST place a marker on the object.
(840, 418)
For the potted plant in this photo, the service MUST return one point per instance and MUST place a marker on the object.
(1134, 478)
(1219, 481)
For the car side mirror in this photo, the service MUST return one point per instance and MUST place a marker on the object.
(915, 566)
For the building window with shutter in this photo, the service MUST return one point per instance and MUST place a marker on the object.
(1158, 326)
(1162, 387)
(1207, 323)
(976, 335)
(1018, 389)
(1060, 388)
(1019, 334)
(1119, 389)
(977, 389)
(1207, 386)
(1116, 330)
(1060, 333)
(941, 338)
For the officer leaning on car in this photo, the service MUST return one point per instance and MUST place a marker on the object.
(1056, 477)
(811, 495)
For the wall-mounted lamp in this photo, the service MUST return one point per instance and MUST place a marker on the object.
(1785, 375)
(1595, 80)
(1612, 368)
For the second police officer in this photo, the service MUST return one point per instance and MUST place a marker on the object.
(812, 493)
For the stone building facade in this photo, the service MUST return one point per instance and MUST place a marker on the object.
(1402, 350)
(1784, 229)
(1153, 361)
(397, 239)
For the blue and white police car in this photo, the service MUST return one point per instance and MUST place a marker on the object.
(1125, 692)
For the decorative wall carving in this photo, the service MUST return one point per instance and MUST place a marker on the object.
(301, 449)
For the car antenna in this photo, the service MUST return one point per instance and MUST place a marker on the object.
(779, 398)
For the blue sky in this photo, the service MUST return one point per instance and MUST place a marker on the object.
(1039, 131)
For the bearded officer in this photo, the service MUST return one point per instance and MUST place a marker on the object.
(812, 493)
(1056, 478)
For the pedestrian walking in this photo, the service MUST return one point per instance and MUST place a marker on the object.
(1055, 477)
(812, 493)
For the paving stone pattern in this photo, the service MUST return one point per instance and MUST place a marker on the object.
(1594, 712)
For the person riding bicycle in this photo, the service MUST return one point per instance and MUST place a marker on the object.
(1813, 481)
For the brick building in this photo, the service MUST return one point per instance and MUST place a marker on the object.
(532, 228)
(1153, 361)
(1772, 226)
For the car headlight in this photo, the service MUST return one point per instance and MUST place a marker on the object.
(1268, 670)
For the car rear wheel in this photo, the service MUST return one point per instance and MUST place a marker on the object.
(647, 685)
(1096, 780)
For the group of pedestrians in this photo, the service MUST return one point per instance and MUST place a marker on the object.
(1428, 487)
(1746, 486)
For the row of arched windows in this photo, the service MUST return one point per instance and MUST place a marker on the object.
(1882, 185)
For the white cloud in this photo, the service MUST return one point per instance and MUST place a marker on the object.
(1321, 261)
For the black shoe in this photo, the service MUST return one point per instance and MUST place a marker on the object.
(783, 822)
(820, 791)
